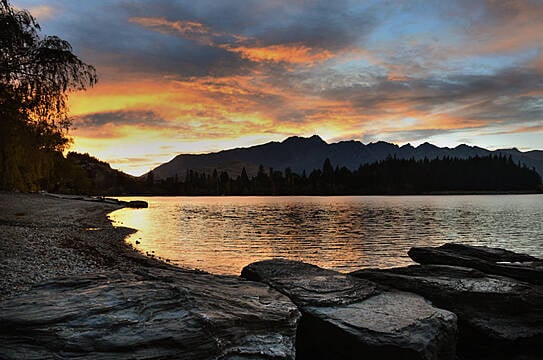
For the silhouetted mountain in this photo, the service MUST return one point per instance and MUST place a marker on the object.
(299, 154)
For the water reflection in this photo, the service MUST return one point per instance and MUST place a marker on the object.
(223, 234)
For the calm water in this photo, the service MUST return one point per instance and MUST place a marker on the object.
(223, 234)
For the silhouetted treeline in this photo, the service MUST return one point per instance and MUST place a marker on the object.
(390, 176)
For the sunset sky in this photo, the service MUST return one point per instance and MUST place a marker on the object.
(199, 76)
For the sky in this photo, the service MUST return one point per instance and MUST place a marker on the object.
(201, 76)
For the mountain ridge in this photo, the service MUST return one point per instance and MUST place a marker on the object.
(308, 153)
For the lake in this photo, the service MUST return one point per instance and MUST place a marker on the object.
(223, 234)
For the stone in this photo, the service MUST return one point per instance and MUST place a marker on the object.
(498, 317)
(154, 313)
(137, 204)
(348, 318)
(489, 260)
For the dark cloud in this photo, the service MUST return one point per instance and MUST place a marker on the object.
(129, 117)
(436, 90)
(324, 24)
(494, 96)
(103, 35)
(330, 25)
(106, 36)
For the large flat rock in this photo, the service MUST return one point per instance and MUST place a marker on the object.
(156, 313)
(348, 318)
(498, 317)
(489, 260)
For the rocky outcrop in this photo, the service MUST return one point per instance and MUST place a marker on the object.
(498, 317)
(348, 318)
(489, 260)
(154, 313)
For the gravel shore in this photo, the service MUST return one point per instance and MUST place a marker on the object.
(43, 238)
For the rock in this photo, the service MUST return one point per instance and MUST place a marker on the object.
(488, 253)
(137, 204)
(113, 201)
(498, 317)
(489, 260)
(348, 318)
(156, 313)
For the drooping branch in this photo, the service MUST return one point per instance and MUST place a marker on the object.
(38, 72)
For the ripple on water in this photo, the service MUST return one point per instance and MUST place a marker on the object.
(223, 234)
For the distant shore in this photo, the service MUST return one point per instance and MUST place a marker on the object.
(42, 238)
(429, 193)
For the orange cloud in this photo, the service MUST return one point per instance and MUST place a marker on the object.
(296, 54)
(230, 112)
(247, 47)
(243, 110)
(192, 30)
(227, 86)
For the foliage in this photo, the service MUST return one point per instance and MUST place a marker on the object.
(84, 174)
(390, 176)
(36, 75)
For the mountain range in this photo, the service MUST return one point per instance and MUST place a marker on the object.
(300, 153)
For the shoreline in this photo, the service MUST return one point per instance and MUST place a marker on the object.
(43, 237)
(446, 193)
(67, 272)
(71, 287)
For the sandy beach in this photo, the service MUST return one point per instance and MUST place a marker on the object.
(42, 238)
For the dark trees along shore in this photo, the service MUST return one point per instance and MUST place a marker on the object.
(390, 176)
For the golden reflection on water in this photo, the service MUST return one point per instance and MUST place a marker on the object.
(223, 234)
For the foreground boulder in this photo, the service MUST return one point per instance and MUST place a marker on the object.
(498, 317)
(156, 313)
(348, 318)
(489, 260)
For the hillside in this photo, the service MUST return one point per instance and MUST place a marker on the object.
(299, 154)
(85, 174)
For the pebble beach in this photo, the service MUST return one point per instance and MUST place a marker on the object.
(43, 238)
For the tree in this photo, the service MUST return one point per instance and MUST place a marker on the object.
(150, 180)
(36, 75)
(327, 176)
(244, 182)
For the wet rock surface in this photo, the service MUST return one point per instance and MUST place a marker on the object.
(489, 260)
(152, 313)
(347, 318)
(499, 317)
